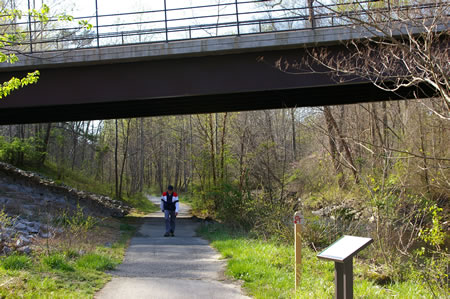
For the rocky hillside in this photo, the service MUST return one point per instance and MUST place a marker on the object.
(28, 200)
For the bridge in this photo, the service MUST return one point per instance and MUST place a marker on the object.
(131, 73)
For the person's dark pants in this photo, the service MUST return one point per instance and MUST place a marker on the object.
(170, 221)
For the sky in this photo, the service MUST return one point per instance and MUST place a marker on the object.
(86, 8)
(151, 24)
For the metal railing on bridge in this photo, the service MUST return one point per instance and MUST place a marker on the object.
(173, 21)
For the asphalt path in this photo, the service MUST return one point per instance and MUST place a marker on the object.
(184, 266)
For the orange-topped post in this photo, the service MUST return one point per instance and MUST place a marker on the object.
(298, 221)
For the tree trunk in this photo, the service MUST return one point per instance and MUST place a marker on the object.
(142, 157)
(343, 145)
(213, 156)
(45, 144)
(294, 135)
(242, 153)
(125, 152)
(116, 162)
(424, 152)
(85, 135)
(75, 129)
(222, 148)
(333, 148)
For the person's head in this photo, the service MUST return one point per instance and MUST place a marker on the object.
(170, 189)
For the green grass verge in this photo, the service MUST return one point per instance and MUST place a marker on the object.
(57, 261)
(141, 203)
(16, 262)
(74, 178)
(62, 274)
(267, 269)
(187, 198)
(96, 261)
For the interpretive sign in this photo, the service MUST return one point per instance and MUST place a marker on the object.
(344, 248)
(342, 252)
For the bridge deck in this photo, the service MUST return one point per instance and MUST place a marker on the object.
(188, 48)
(186, 77)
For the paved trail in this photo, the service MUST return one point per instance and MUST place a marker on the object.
(183, 266)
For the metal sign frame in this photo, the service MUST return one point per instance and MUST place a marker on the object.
(342, 252)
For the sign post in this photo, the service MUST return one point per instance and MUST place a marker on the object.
(342, 252)
(298, 221)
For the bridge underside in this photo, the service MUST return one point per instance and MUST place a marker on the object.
(307, 97)
(184, 85)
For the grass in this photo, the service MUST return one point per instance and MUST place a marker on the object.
(57, 261)
(267, 270)
(63, 274)
(16, 262)
(141, 204)
(74, 178)
(187, 198)
(97, 262)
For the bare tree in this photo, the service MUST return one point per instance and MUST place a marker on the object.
(404, 45)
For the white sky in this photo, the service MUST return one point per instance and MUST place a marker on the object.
(154, 21)
(87, 7)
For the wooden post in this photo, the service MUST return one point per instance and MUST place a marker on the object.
(298, 221)
(298, 255)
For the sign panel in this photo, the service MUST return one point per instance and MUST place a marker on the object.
(298, 218)
(345, 247)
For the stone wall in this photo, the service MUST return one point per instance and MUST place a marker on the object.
(29, 204)
(36, 184)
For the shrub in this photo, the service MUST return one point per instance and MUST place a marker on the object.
(71, 253)
(318, 232)
(77, 225)
(5, 220)
(16, 262)
(257, 211)
(233, 206)
(19, 152)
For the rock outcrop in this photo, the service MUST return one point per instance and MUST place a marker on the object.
(17, 234)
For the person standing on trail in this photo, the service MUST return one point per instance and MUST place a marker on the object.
(170, 208)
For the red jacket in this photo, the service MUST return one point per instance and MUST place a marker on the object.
(174, 200)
